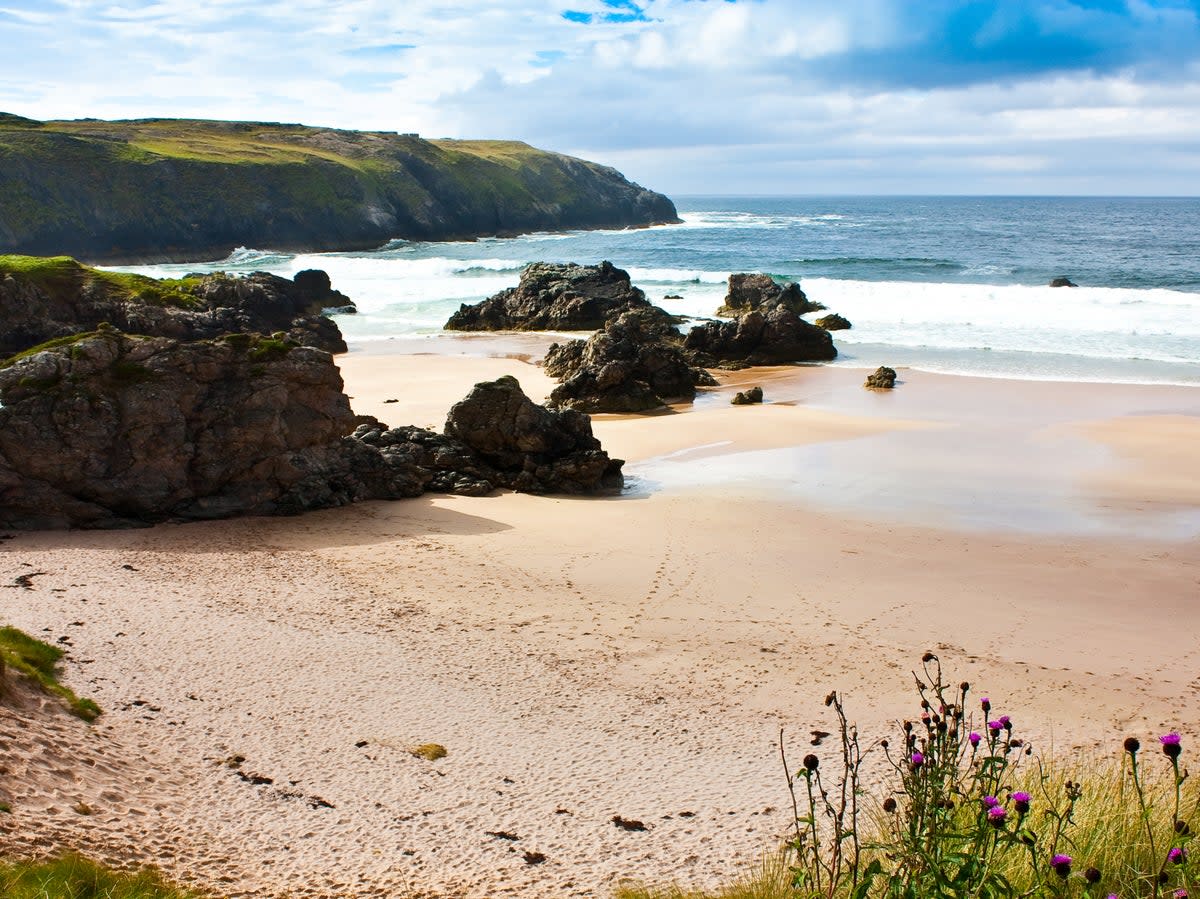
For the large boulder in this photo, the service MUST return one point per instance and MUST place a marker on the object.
(776, 337)
(46, 299)
(751, 291)
(109, 430)
(554, 297)
(634, 365)
(533, 449)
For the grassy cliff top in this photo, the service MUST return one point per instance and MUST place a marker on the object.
(266, 142)
(58, 275)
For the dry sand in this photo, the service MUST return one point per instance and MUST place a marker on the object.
(587, 658)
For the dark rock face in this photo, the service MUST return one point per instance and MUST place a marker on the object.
(634, 365)
(1063, 282)
(554, 297)
(776, 337)
(114, 430)
(832, 322)
(533, 449)
(117, 431)
(749, 292)
(747, 397)
(883, 378)
(34, 312)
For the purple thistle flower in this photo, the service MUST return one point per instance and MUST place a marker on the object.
(996, 815)
(1180, 894)
(974, 738)
(986, 704)
(917, 760)
(990, 801)
(1061, 865)
(1177, 856)
(1021, 802)
(1170, 745)
(995, 727)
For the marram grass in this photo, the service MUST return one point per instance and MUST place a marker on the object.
(39, 661)
(75, 877)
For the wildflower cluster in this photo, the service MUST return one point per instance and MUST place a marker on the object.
(971, 811)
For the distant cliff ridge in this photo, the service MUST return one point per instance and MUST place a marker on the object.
(166, 189)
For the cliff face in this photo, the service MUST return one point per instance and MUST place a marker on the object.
(158, 190)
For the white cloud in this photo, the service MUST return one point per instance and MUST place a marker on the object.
(704, 96)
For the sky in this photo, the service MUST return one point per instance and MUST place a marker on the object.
(1094, 97)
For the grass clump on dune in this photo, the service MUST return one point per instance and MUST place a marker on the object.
(969, 810)
(39, 661)
(75, 877)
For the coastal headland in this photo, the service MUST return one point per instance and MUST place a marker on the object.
(168, 189)
(265, 680)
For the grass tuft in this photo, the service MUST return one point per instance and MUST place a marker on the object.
(39, 661)
(431, 752)
(75, 877)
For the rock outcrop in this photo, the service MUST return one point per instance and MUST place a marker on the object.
(748, 397)
(832, 322)
(157, 190)
(533, 449)
(883, 378)
(775, 337)
(1062, 281)
(634, 365)
(554, 297)
(110, 430)
(752, 291)
(45, 299)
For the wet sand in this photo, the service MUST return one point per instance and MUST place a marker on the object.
(629, 656)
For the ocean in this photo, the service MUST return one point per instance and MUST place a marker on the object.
(944, 284)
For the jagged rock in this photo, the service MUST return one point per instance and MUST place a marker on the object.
(533, 449)
(832, 322)
(59, 297)
(883, 378)
(554, 297)
(113, 430)
(1063, 281)
(747, 397)
(777, 337)
(635, 364)
(751, 291)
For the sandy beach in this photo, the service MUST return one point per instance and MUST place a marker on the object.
(264, 680)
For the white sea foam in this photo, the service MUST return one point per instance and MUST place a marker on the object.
(752, 221)
(1101, 323)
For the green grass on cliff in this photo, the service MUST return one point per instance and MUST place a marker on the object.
(75, 877)
(60, 274)
(39, 661)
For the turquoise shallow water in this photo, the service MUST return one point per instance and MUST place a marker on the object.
(956, 285)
